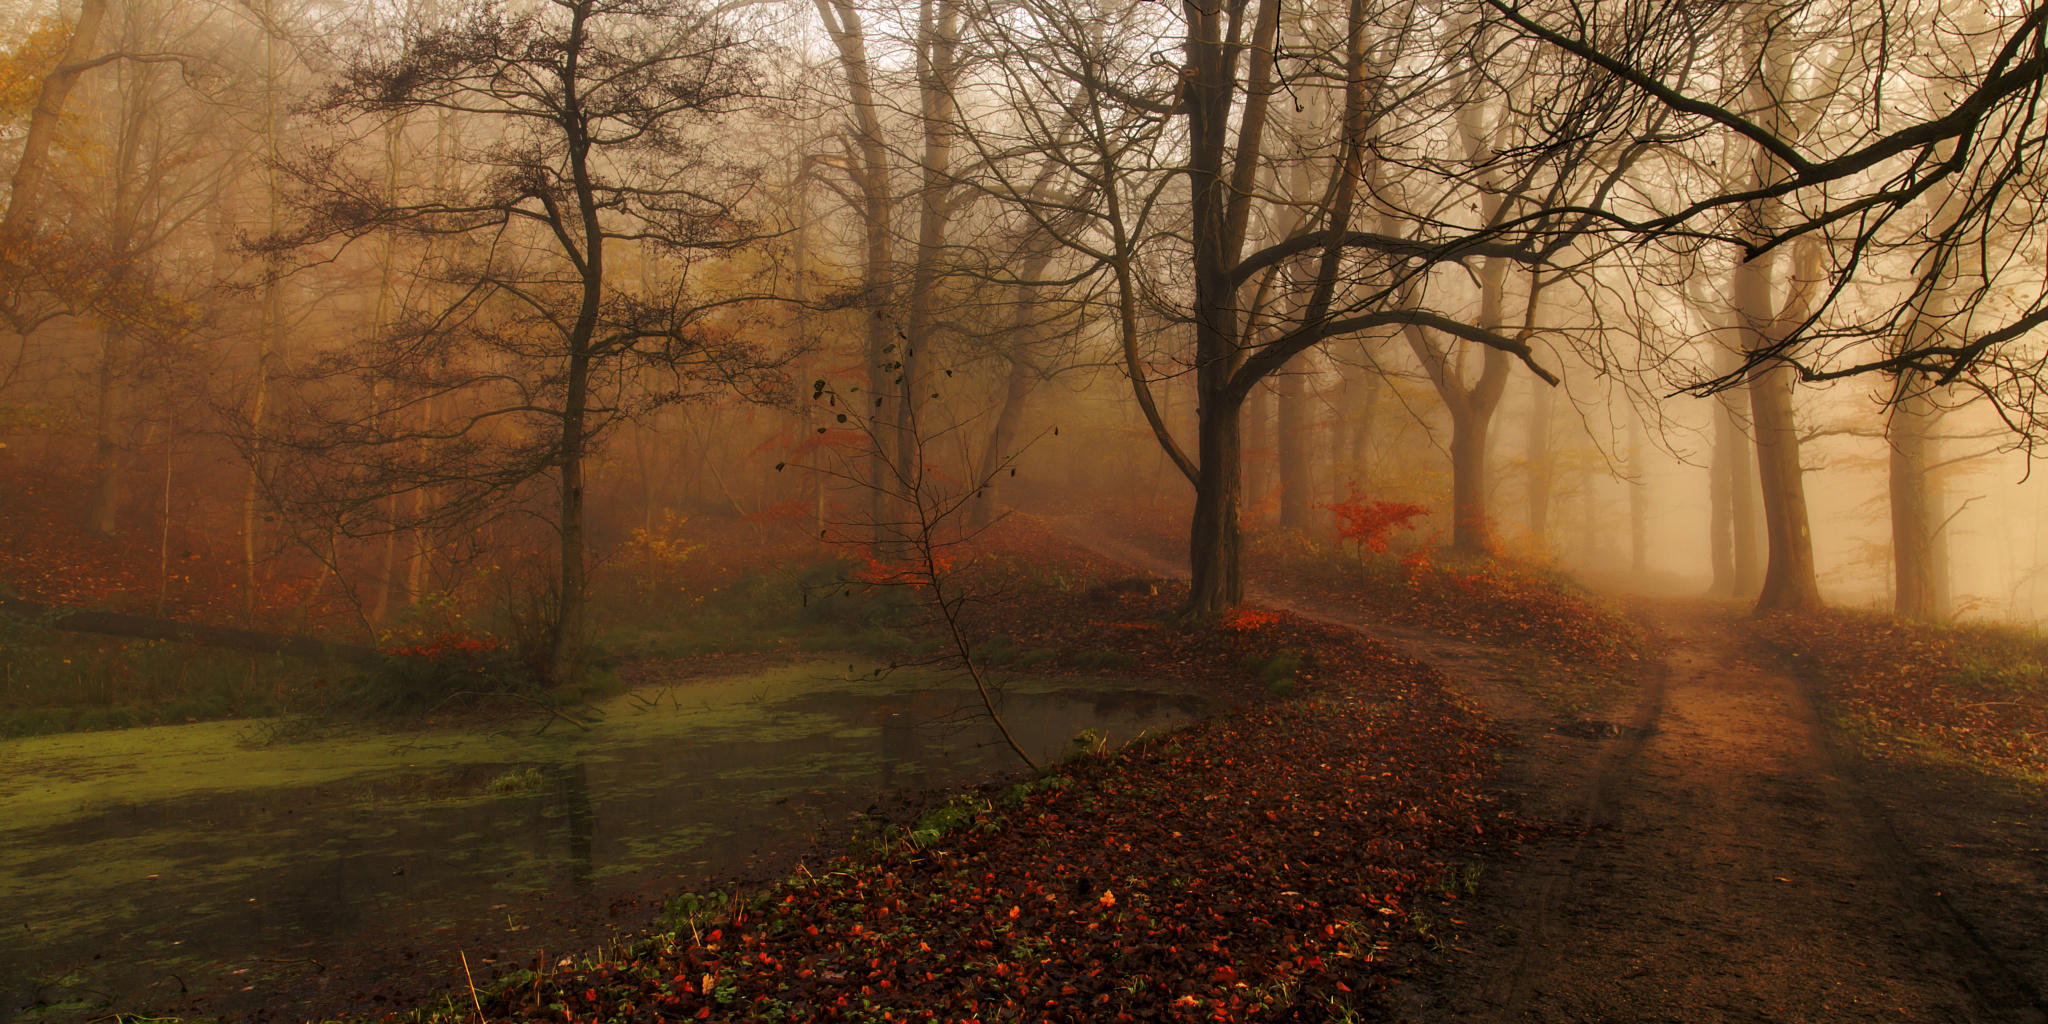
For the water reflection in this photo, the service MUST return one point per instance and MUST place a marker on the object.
(149, 863)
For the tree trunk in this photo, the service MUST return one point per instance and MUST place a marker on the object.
(1789, 581)
(1542, 460)
(871, 178)
(566, 653)
(1919, 571)
(1469, 535)
(938, 32)
(1638, 502)
(1745, 499)
(1295, 437)
(387, 557)
(270, 336)
(103, 512)
(988, 478)
(1215, 538)
(565, 656)
(1721, 482)
(1471, 412)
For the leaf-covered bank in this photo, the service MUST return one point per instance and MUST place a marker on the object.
(1260, 865)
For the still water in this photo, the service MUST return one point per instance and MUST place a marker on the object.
(235, 865)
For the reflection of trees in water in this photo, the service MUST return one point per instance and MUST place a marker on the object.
(344, 863)
(572, 783)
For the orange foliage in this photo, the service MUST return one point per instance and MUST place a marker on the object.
(1369, 524)
(1246, 619)
(23, 68)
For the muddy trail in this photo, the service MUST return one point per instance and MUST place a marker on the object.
(1729, 867)
(1721, 862)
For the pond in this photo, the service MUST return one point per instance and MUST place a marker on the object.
(234, 866)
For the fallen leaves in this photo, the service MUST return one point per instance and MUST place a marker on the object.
(1975, 694)
(1261, 865)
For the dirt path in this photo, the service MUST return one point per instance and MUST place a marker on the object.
(1728, 868)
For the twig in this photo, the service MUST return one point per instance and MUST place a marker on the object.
(466, 976)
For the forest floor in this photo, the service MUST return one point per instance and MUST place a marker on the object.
(1545, 807)
(1728, 854)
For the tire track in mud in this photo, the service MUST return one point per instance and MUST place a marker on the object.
(1728, 867)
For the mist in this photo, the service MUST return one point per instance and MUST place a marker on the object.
(535, 509)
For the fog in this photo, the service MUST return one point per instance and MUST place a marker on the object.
(549, 327)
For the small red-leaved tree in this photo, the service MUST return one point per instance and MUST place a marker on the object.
(1369, 524)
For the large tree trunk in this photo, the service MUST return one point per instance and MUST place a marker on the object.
(1789, 582)
(1920, 569)
(1471, 414)
(1472, 405)
(1214, 532)
(566, 653)
(1215, 537)
(565, 656)
(1734, 541)
(1469, 534)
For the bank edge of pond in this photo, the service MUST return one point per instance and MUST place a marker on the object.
(1283, 857)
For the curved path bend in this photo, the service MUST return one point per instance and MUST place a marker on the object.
(1725, 868)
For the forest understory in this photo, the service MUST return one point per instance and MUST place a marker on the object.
(1442, 791)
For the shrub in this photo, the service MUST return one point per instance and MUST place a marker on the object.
(439, 669)
(1369, 524)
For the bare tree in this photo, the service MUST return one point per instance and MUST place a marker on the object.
(582, 125)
